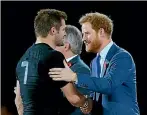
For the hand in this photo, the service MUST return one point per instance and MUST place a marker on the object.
(88, 109)
(18, 99)
(63, 74)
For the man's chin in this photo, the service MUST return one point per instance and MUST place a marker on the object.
(88, 50)
(59, 45)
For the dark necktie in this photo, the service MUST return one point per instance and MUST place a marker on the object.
(96, 70)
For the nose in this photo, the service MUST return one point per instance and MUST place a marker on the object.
(84, 37)
(83, 40)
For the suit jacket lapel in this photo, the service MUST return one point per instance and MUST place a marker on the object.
(114, 48)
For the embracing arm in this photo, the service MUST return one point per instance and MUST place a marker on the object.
(118, 73)
(77, 99)
(18, 100)
(73, 96)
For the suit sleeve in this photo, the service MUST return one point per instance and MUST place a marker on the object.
(58, 63)
(118, 72)
(85, 70)
(29, 87)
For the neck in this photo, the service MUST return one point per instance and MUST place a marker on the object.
(48, 41)
(104, 44)
(68, 55)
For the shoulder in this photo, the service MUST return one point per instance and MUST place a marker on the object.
(81, 67)
(43, 52)
(56, 54)
(33, 56)
(122, 53)
(123, 57)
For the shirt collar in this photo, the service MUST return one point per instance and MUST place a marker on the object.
(104, 52)
(68, 59)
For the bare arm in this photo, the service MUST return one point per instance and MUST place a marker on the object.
(18, 100)
(77, 99)
(73, 96)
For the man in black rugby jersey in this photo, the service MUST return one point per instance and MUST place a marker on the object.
(40, 94)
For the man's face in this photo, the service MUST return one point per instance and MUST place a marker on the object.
(62, 48)
(90, 38)
(59, 37)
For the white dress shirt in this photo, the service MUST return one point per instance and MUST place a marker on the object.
(68, 59)
(103, 55)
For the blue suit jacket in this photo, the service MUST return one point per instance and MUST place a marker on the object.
(118, 84)
(78, 66)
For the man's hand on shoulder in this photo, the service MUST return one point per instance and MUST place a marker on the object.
(63, 74)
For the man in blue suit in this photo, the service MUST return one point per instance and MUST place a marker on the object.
(113, 69)
(71, 50)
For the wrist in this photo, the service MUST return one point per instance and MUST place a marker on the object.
(85, 105)
(74, 77)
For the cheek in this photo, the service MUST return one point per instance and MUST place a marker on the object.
(94, 42)
(89, 38)
(58, 37)
(61, 33)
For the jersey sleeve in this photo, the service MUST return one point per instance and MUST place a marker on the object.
(58, 63)
(29, 85)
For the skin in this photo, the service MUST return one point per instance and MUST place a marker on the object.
(94, 42)
(55, 38)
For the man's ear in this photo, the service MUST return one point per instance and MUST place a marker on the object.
(101, 32)
(67, 46)
(53, 31)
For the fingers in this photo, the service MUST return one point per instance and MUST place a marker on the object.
(57, 79)
(56, 69)
(55, 76)
(55, 73)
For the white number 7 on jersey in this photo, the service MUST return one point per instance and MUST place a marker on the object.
(25, 64)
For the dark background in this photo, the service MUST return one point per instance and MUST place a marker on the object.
(18, 34)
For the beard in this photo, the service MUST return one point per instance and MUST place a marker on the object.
(93, 46)
(59, 41)
(59, 44)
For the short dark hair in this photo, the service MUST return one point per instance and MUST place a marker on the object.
(46, 19)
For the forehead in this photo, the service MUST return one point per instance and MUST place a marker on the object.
(62, 22)
(86, 27)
